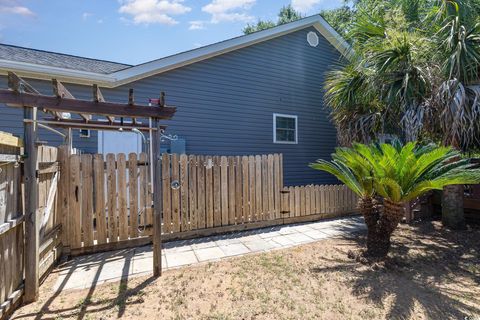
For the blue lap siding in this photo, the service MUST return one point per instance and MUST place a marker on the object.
(226, 103)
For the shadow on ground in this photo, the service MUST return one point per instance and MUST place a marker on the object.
(429, 267)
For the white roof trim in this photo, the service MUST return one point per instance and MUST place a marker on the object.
(175, 61)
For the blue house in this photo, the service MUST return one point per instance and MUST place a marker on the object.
(255, 94)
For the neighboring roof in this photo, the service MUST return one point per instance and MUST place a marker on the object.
(126, 74)
(59, 60)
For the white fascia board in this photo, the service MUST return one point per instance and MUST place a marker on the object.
(192, 56)
(175, 61)
(37, 71)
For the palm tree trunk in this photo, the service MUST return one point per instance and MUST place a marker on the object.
(452, 207)
(452, 203)
(369, 209)
(379, 244)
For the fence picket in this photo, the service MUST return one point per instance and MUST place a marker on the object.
(231, 190)
(209, 190)
(308, 194)
(74, 202)
(192, 187)
(224, 190)
(144, 191)
(175, 194)
(112, 198)
(99, 187)
(133, 178)
(277, 186)
(122, 196)
(238, 191)
(251, 191)
(184, 218)
(217, 207)
(258, 189)
(201, 192)
(167, 195)
(245, 190)
(264, 168)
(271, 211)
(87, 199)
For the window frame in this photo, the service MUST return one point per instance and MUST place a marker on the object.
(291, 116)
(85, 136)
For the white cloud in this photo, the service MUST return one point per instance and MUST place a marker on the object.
(14, 7)
(229, 10)
(86, 15)
(153, 11)
(197, 25)
(304, 5)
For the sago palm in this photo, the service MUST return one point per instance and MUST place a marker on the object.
(401, 173)
(355, 171)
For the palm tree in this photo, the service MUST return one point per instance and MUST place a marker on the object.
(415, 75)
(397, 173)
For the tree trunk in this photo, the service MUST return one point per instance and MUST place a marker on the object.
(452, 202)
(378, 243)
(452, 207)
(369, 208)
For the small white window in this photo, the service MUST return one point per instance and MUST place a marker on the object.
(285, 128)
(84, 133)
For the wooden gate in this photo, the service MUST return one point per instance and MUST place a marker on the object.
(219, 191)
(107, 199)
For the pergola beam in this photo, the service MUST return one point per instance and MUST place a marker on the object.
(17, 84)
(82, 106)
(61, 92)
(97, 124)
(98, 97)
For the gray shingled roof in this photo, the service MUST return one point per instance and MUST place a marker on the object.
(21, 54)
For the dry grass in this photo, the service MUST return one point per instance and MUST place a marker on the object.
(431, 274)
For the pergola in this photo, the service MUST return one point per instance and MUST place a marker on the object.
(116, 116)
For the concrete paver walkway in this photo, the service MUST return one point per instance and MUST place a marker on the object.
(92, 270)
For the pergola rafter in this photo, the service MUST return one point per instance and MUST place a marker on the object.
(22, 94)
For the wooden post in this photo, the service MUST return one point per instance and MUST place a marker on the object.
(157, 201)
(31, 219)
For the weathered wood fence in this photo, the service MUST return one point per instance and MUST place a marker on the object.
(108, 201)
(12, 217)
(50, 246)
(324, 200)
(11, 224)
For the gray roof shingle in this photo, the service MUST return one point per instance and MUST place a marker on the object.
(53, 59)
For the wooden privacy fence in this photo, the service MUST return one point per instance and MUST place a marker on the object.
(107, 201)
(11, 224)
(323, 200)
(12, 219)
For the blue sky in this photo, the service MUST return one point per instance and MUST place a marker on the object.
(134, 31)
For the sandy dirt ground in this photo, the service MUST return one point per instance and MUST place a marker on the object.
(431, 273)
